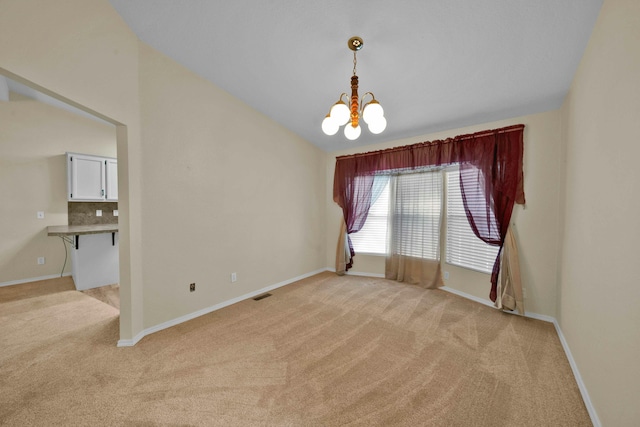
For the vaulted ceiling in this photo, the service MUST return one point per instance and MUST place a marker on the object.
(433, 65)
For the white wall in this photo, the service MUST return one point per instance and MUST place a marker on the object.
(599, 282)
(536, 225)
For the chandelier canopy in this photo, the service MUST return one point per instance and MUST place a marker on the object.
(340, 113)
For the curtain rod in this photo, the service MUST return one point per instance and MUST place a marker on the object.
(458, 138)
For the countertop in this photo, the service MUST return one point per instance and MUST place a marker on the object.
(77, 230)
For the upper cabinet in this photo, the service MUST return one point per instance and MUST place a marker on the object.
(91, 178)
(111, 178)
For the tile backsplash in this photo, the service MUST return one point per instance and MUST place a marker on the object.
(84, 213)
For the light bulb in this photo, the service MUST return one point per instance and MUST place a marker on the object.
(340, 113)
(372, 111)
(329, 126)
(378, 125)
(352, 132)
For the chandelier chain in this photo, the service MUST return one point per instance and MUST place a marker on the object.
(355, 61)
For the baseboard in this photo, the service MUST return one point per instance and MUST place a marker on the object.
(357, 273)
(467, 296)
(487, 302)
(190, 316)
(133, 341)
(581, 386)
(33, 279)
(576, 373)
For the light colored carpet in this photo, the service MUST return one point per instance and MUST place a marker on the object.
(109, 294)
(325, 351)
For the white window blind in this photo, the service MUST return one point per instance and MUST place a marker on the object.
(416, 208)
(372, 237)
(464, 248)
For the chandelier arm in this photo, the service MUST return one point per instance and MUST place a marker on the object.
(362, 104)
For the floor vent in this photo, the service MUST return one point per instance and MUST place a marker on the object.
(263, 296)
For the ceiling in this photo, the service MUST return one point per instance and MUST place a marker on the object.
(433, 65)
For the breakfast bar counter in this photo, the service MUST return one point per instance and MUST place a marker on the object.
(94, 261)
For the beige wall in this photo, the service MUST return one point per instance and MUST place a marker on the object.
(83, 51)
(33, 140)
(599, 304)
(238, 193)
(227, 190)
(191, 202)
(536, 225)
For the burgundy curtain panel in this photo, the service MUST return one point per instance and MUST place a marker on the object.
(497, 160)
(495, 154)
(356, 201)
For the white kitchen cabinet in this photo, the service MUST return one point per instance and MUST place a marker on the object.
(91, 178)
(111, 178)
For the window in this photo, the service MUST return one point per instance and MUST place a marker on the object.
(372, 237)
(416, 200)
(464, 248)
(422, 195)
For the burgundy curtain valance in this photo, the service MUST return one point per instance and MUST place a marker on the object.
(500, 147)
(494, 155)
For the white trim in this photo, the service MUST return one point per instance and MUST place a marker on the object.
(467, 296)
(190, 316)
(133, 341)
(357, 273)
(574, 367)
(486, 302)
(33, 279)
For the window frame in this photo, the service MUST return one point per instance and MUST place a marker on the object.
(444, 221)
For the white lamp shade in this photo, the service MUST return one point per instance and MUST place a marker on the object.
(329, 126)
(340, 113)
(352, 132)
(378, 125)
(372, 111)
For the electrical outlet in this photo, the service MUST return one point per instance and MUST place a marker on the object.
(115, 212)
(99, 212)
(40, 214)
(446, 275)
(234, 277)
(40, 260)
(192, 287)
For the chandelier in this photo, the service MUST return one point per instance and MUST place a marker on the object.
(340, 114)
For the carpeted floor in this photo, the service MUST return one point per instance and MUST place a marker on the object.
(325, 351)
(109, 294)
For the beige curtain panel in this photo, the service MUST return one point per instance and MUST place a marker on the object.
(510, 284)
(415, 271)
(343, 254)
